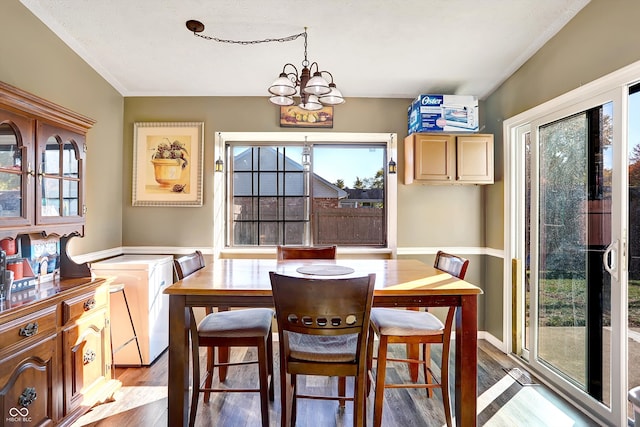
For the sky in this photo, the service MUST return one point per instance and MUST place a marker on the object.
(348, 164)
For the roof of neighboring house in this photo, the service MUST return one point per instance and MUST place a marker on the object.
(365, 193)
(293, 186)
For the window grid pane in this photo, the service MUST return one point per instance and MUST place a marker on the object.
(275, 201)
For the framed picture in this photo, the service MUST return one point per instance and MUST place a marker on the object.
(167, 163)
(294, 116)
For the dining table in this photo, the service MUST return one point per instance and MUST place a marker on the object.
(400, 283)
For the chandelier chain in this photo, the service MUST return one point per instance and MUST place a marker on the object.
(249, 42)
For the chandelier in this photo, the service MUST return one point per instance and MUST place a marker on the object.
(312, 90)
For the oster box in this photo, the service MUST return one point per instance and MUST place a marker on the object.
(443, 113)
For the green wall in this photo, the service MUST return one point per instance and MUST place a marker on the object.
(35, 60)
(427, 215)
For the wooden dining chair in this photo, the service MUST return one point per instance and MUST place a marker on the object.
(322, 330)
(395, 326)
(306, 252)
(187, 264)
(313, 252)
(223, 329)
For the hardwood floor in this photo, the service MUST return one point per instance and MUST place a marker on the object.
(502, 400)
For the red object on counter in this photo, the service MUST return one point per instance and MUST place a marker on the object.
(9, 246)
(17, 266)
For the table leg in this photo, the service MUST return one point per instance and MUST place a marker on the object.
(178, 384)
(467, 361)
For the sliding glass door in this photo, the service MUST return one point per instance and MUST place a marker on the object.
(568, 242)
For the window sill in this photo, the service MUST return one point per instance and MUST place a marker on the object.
(345, 252)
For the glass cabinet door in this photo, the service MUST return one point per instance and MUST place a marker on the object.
(60, 156)
(15, 164)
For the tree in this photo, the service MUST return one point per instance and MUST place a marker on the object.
(339, 183)
(358, 183)
(634, 167)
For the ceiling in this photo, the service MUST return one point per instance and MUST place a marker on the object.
(373, 48)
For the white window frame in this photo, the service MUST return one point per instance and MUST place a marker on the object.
(220, 198)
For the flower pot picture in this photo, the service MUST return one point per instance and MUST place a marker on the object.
(169, 161)
(168, 172)
(168, 164)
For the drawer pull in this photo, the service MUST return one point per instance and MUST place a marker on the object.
(27, 397)
(89, 304)
(88, 356)
(29, 330)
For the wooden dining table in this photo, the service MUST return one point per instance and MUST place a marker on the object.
(399, 283)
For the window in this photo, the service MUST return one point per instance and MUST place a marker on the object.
(329, 189)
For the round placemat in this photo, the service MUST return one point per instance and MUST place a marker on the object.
(325, 270)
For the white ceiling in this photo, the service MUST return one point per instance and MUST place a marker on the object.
(373, 48)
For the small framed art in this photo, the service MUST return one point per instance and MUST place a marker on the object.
(294, 116)
(167, 163)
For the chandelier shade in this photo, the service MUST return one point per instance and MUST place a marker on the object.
(314, 91)
(283, 86)
(282, 100)
(317, 85)
(334, 97)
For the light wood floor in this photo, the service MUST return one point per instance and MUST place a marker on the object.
(502, 401)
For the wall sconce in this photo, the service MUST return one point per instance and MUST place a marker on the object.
(391, 167)
(219, 163)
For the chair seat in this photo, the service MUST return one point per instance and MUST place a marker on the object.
(319, 348)
(251, 322)
(391, 321)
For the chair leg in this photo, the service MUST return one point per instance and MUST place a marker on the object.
(285, 393)
(360, 398)
(210, 366)
(294, 399)
(264, 382)
(426, 359)
(223, 355)
(444, 382)
(380, 379)
(195, 380)
(370, 344)
(270, 364)
(342, 390)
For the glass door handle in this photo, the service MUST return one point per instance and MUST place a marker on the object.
(610, 259)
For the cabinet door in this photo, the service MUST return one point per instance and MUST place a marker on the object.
(474, 159)
(59, 193)
(85, 359)
(16, 162)
(27, 386)
(435, 158)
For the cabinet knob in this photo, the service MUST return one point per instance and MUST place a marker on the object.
(27, 397)
(89, 304)
(88, 356)
(29, 330)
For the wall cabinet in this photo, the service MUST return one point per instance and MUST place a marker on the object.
(42, 158)
(448, 158)
(56, 362)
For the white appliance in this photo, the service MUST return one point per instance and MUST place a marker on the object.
(144, 278)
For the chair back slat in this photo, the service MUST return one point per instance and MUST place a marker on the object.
(188, 264)
(322, 306)
(306, 252)
(452, 264)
